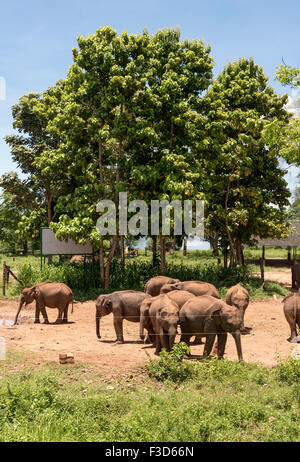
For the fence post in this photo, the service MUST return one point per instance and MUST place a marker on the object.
(3, 277)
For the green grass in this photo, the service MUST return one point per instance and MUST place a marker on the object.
(219, 401)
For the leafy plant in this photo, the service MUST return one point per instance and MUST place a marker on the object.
(170, 366)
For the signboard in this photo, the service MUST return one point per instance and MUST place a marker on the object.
(50, 245)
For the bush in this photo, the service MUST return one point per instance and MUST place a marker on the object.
(170, 365)
(288, 371)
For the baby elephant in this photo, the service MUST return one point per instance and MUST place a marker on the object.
(124, 304)
(291, 309)
(154, 285)
(207, 316)
(51, 294)
(194, 287)
(164, 316)
(238, 296)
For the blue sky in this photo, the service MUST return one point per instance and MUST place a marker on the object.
(37, 37)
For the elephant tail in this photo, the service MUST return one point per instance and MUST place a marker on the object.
(72, 300)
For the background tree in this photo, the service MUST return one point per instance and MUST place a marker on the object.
(248, 194)
(19, 199)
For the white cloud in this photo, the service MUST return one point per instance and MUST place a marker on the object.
(293, 104)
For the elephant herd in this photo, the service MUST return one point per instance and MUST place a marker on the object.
(165, 304)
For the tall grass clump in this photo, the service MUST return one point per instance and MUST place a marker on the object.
(84, 277)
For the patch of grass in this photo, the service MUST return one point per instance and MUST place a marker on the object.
(219, 401)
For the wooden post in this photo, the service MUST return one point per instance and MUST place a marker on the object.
(262, 272)
(3, 277)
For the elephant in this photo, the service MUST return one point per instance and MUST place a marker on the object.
(154, 285)
(238, 296)
(291, 309)
(124, 304)
(50, 294)
(164, 315)
(195, 287)
(207, 316)
(296, 275)
(177, 296)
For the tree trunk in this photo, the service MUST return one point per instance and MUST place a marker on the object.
(185, 246)
(232, 251)
(122, 253)
(108, 261)
(154, 250)
(25, 248)
(163, 254)
(101, 263)
(225, 253)
(100, 162)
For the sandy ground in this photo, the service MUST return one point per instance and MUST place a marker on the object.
(284, 277)
(266, 342)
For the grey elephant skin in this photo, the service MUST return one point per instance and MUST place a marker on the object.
(197, 288)
(180, 297)
(291, 309)
(296, 275)
(164, 315)
(47, 294)
(206, 316)
(238, 296)
(154, 284)
(124, 304)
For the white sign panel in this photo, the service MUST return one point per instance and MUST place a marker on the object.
(52, 246)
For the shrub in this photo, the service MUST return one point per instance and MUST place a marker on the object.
(170, 365)
(288, 371)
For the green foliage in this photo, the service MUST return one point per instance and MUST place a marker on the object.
(170, 366)
(220, 401)
(248, 194)
(288, 371)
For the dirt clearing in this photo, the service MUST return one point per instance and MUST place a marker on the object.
(266, 342)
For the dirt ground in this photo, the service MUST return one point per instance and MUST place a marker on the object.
(266, 342)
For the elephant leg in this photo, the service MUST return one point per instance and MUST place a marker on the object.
(157, 344)
(59, 319)
(44, 312)
(221, 342)
(293, 329)
(118, 325)
(65, 318)
(210, 338)
(37, 314)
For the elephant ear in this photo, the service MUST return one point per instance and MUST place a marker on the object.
(215, 310)
(107, 305)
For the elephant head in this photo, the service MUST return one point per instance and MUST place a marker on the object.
(168, 321)
(27, 297)
(240, 299)
(103, 308)
(228, 319)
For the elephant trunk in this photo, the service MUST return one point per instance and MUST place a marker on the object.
(142, 323)
(172, 335)
(22, 300)
(98, 324)
(237, 338)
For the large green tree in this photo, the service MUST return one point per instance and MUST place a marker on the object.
(127, 118)
(249, 194)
